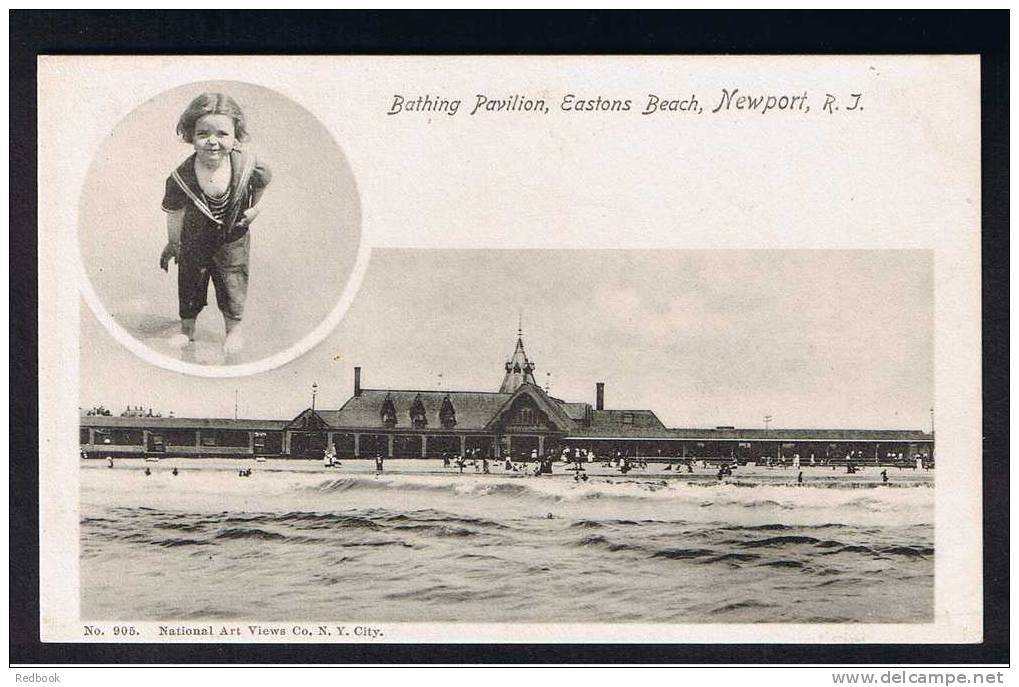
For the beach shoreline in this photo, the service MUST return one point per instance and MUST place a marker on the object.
(866, 475)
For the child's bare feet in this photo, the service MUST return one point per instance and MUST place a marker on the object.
(186, 335)
(234, 341)
(179, 340)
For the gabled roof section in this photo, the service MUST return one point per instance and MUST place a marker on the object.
(310, 420)
(623, 424)
(632, 418)
(473, 409)
(575, 411)
(555, 413)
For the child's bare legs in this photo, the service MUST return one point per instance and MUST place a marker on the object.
(234, 341)
(186, 336)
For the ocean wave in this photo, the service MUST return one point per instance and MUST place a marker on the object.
(746, 604)
(735, 558)
(779, 541)
(680, 554)
(557, 490)
(606, 544)
(249, 533)
(909, 551)
(181, 526)
(175, 542)
(438, 530)
(783, 563)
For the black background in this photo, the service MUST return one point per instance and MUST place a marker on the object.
(583, 32)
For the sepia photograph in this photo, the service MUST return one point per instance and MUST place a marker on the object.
(177, 266)
(662, 437)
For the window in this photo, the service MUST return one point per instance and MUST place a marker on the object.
(273, 442)
(118, 437)
(525, 417)
(417, 413)
(447, 414)
(179, 437)
(236, 438)
(627, 418)
(388, 412)
(370, 445)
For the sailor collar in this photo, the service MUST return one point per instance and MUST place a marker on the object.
(241, 166)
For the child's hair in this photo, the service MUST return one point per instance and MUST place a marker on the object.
(211, 103)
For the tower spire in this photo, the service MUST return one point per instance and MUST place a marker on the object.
(519, 369)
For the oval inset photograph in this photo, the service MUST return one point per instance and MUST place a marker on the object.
(220, 230)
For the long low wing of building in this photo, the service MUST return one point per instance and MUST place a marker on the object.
(110, 435)
(519, 421)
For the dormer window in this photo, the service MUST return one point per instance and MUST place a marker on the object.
(388, 412)
(447, 414)
(417, 413)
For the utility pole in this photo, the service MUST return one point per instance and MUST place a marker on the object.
(314, 392)
(767, 421)
(235, 404)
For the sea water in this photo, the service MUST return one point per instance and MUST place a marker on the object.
(301, 542)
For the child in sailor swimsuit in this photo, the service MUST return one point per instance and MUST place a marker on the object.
(211, 199)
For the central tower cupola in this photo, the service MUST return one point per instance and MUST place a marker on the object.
(519, 370)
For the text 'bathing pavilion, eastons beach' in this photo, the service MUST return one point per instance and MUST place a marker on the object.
(519, 420)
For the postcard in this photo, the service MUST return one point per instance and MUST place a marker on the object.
(475, 349)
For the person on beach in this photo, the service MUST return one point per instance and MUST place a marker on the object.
(210, 201)
(884, 476)
(109, 461)
(147, 472)
(174, 472)
(799, 477)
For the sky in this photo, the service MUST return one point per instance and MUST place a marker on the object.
(814, 338)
